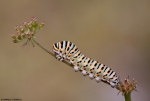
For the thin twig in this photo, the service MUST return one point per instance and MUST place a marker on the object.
(50, 52)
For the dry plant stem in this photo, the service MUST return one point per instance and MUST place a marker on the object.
(50, 52)
(54, 55)
(127, 96)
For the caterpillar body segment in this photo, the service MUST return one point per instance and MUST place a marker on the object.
(66, 50)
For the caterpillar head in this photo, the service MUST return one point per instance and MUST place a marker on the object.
(55, 48)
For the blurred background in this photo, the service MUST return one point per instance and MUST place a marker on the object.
(116, 33)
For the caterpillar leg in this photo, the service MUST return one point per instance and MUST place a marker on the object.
(112, 84)
(61, 59)
(84, 73)
(76, 68)
(58, 57)
(63, 55)
(91, 76)
(97, 79)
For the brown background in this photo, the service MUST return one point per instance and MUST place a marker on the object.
(116, 33)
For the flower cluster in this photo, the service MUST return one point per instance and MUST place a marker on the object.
(127, 86)
(27, 31)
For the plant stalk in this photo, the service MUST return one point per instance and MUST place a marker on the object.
(49, 52)
(127, 96)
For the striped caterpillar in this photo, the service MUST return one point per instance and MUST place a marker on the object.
(66, 50)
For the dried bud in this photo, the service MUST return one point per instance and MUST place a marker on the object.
(33, 19)
(29, 24)
(127, 86)
(13, 36)
(17, 28)
(41, 26)
(15, 41)
(19, 37)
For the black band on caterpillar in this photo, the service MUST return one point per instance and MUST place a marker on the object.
(66, 50)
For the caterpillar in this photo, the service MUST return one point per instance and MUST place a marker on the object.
(66, 50)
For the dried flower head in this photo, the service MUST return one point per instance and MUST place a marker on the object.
(127, 86)
(27, 31)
